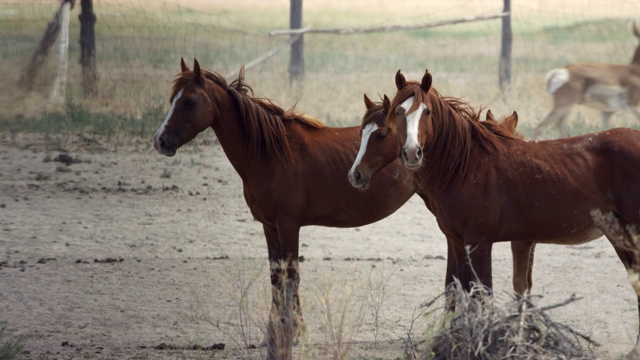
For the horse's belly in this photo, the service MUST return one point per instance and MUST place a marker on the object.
(577, 238)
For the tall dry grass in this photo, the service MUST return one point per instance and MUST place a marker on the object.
(139, 44)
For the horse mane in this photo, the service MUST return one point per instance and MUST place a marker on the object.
(456, 127)
(374, 114)
(264, 121)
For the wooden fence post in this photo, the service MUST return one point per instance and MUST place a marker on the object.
(505, 50)
(88, 48)
(296, 61)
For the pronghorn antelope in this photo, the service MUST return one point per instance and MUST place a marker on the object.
(605, 87)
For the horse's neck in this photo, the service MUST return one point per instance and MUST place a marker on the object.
(443, 166)
(229, 130)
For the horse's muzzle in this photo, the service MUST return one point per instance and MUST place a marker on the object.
(357, 180)
(164, 147)
(412, 157)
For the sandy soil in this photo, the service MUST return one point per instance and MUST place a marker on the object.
(125, 250)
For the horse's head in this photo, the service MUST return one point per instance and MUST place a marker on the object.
(412, 112)
(378, 145)
(191, 111)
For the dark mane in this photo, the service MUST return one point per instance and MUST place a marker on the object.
(456, 127)
(264, 121)
(375, 114)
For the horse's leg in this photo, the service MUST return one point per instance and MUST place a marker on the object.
(625, 241)
(606, 116)
(522, 252)
(556, 116)
(277, 294)
(454, 257)
(288, 236)
(282, 243)
(478, 267)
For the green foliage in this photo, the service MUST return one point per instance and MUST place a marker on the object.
(42, 176)
(10, 348)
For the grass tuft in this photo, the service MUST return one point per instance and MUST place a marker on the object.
(10, 348)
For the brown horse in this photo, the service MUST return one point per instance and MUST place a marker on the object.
(292, 169)
(486, 185)
(374, 133)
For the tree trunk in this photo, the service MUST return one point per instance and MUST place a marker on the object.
(47, 41)
(88, 48)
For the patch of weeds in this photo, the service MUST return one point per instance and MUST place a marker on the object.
(47, 158)
(165, 174)
(42, 176)
(63, 169)
(10, 348)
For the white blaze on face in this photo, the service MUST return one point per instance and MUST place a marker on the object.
(413, 121)
(169, 114)
(366, 134)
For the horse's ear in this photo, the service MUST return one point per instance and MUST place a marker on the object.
(386, 103)
(426, 81)
(511, 122)
(368, 103)
(183, 66)
(400, 80)
(241, 74)
(197, 73)
(489, 116)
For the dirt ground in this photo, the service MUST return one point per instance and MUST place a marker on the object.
(126, 254)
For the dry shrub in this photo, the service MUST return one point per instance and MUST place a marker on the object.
(479, 329)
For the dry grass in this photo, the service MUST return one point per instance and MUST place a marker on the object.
(140, 43)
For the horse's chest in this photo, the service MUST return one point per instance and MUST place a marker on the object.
(257, 205)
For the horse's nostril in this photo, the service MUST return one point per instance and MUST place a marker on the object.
(357, 175)
(162, 142)
(419, 152)
(404, 154)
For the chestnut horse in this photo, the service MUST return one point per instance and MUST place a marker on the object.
(486, 185)
(374, 135)
(292, 169)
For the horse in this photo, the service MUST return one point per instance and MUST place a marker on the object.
(374, 132)
(486, 185)
(292, 170)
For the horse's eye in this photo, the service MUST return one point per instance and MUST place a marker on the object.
(426, 112)
(189, 102)
(382, 134)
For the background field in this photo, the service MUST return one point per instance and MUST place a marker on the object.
(125, 250)
(139, 44)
